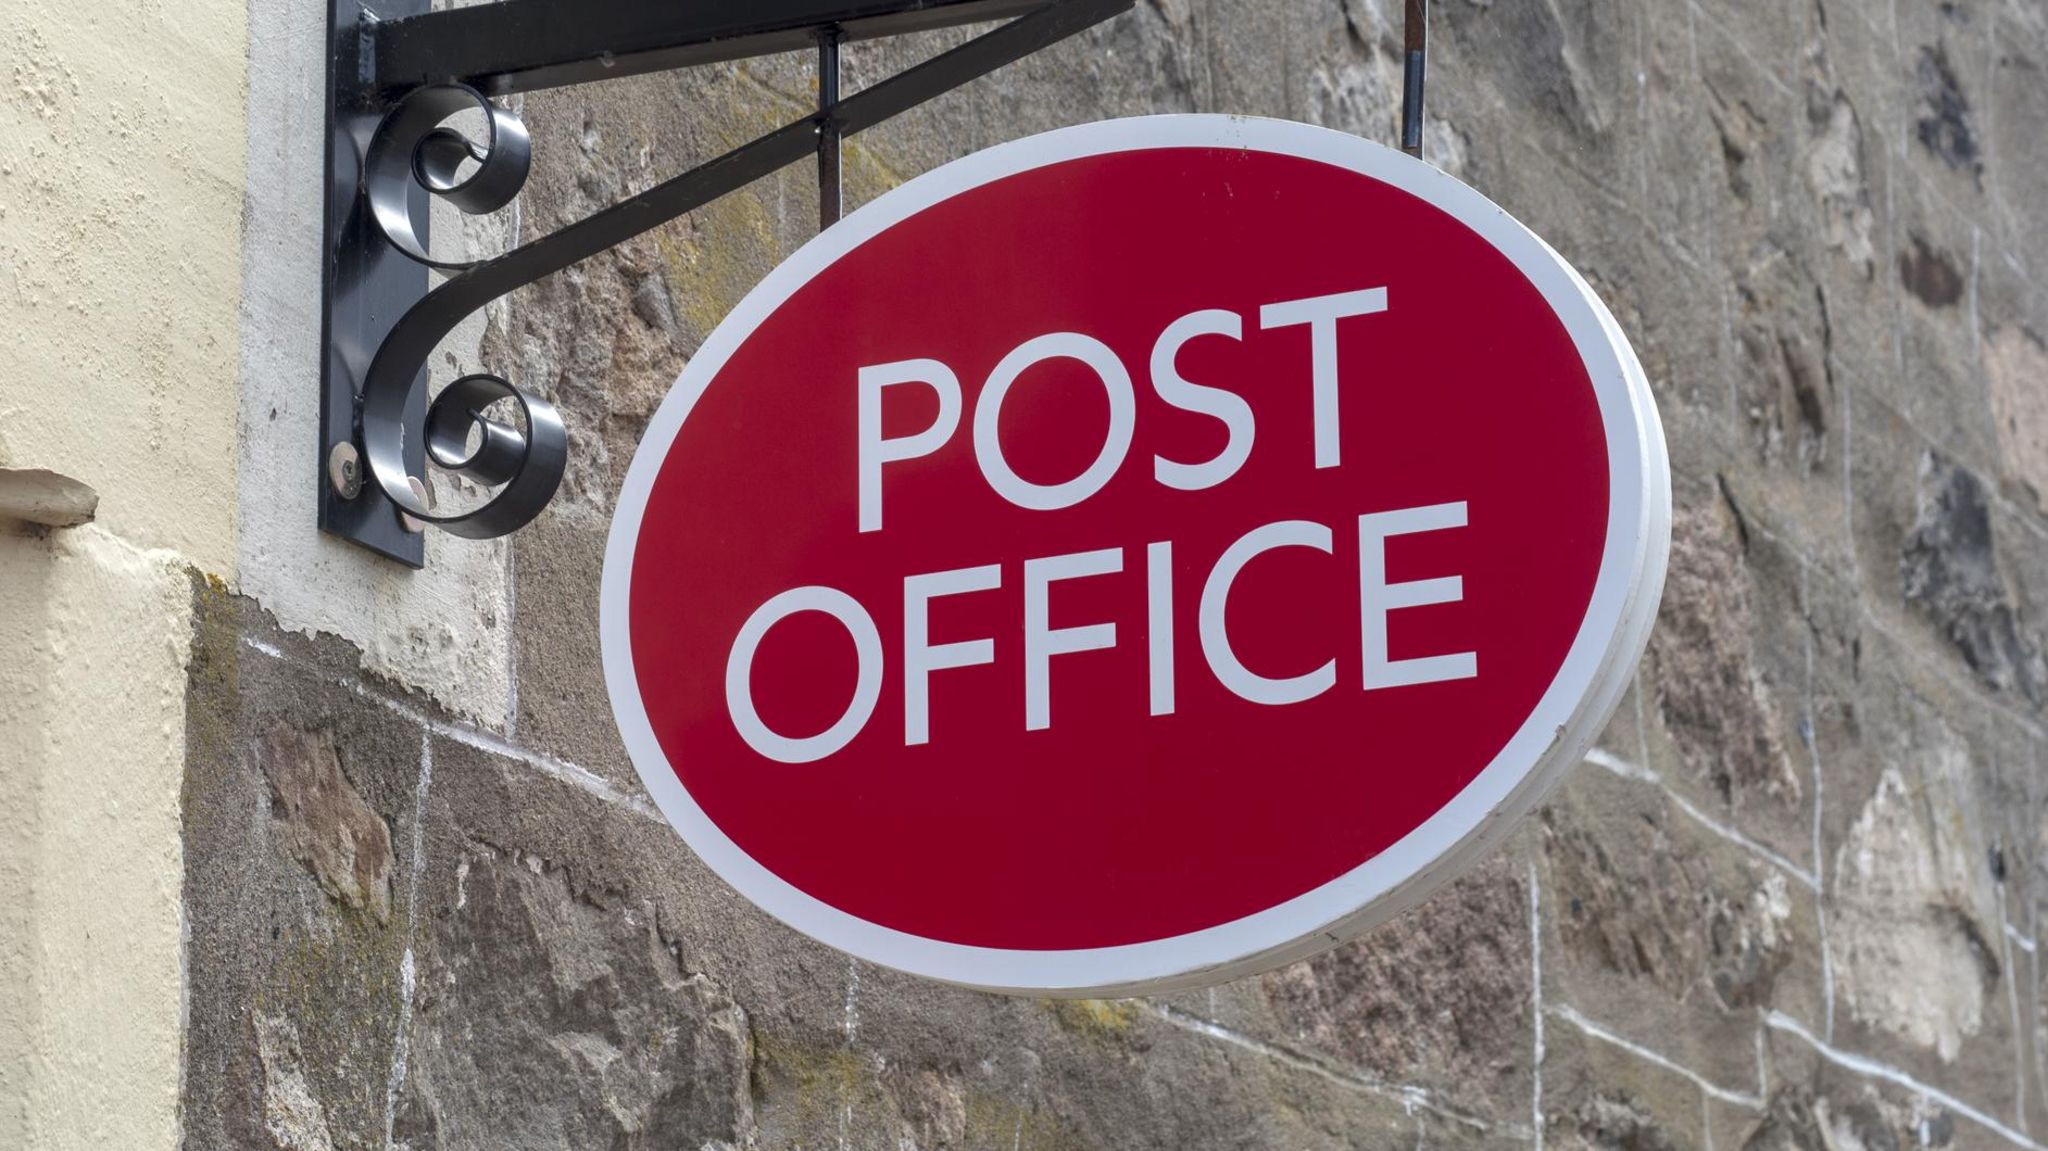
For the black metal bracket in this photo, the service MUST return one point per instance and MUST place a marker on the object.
(397, 73)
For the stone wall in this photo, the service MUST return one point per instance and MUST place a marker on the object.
(1792, 900)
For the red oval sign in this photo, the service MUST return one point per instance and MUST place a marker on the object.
(1134, 555)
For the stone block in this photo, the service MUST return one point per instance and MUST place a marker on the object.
(1598, 1093)
(1787, 394)
(1946, 56)
(1667, 302)
(551, 1013)
(1937, 383)
(1922, 819)
(2018, 582)
(1936, 562)
(1822, 1099)
(2015, 356)
(1556, 81)
(2014, 104)
(1666, 934)
(1725, 685)
(1436, 1001)
(299, 806)
(564, 707)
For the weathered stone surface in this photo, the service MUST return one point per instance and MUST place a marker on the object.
(1744, 658)
(1911, 899)
(291, 1113)
(1599, 1096)
(1950, 570)
(551, 1017)
(1835, 174)
(1940, 565)
(839, 1051)
(1743, 946)
(1930, 274)
(2016, 364)
(1710, 692)
(1800, 1121)
(1817, 1105)
(1943, 121)
(327, 826)
(1664, 932)
(1441, 995)
(2015, 99)
(1925, 810)
(1787, 343)
(294, 994)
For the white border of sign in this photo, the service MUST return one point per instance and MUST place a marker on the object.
(1571, 713)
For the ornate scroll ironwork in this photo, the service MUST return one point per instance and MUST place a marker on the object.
(394, 148)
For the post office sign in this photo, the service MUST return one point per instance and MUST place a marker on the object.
(1134, 556)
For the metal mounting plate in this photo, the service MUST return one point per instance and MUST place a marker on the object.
(366, 284)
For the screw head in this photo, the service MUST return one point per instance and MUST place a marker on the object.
(345, 471)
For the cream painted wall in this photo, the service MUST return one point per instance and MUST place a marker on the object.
(121, 177)
(94, 635)
(121, 169)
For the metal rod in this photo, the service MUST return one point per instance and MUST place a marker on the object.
(829, 201)
(522, 45)
(1416, 37)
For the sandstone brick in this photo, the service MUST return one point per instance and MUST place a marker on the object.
(2016, 366)
(1916, 826)
(1816, 1102)
(1417, 1004)
(2014, 99)
(293, 991)
(1599, 1095)
(552, 1016)
(327, 826)
(1953, 574)
(1935, 560)
(1726, 679)
(1668, 934)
